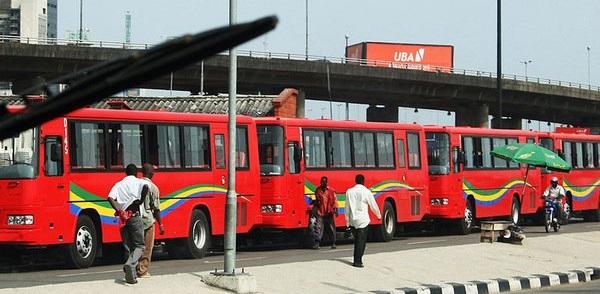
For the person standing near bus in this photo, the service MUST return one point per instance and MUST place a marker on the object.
(126, 197)
(150, 216)
(358, 199)
(327, 210)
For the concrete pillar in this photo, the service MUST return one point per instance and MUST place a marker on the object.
(388, 113)
(513, 123)
(29, 86)
(473, 116)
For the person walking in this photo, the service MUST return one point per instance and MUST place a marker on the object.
(126, 197)
(151, 215)
(358, 199)
(327, 210)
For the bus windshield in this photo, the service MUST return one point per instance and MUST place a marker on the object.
(18, 156)
(438, 153)
(270, 149)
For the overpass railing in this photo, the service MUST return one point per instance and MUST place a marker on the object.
(315, 58)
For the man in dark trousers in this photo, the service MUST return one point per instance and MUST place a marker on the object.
(358, 200)
(151, 215)
(327, 210)
(125, 197)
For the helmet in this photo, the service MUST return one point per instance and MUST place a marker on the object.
(554, 180)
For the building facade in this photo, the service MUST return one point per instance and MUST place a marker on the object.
(33, 21)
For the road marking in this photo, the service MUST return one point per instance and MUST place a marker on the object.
(426, 242)
(239, 259)
(90, 273)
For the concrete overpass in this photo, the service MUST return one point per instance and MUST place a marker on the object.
(472, 95)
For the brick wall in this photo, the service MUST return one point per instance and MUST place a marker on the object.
(285, 104)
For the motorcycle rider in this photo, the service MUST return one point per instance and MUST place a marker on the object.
(556, 191)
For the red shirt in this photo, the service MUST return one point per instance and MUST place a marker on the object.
(326, 201)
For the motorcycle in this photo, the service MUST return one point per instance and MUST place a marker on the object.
(552, 211)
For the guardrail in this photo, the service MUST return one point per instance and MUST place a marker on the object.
(293, 56)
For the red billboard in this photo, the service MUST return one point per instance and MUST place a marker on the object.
(409, 56)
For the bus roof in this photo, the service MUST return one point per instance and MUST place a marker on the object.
(336, 124)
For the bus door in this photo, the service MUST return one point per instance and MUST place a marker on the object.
(411, 150)
(295, 184)
(220, 170)
(55, 186)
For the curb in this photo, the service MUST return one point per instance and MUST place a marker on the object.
(503, 285)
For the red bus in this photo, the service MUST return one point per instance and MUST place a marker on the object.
(296, 153)
(54, 179)
(466, 183)
(582, 184)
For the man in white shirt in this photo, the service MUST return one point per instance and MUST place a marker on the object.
(125, 197)
(358, 199)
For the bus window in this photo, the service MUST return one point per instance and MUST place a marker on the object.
(241, 148)
(588, 155)
(401, 154)
(314, 149)
(438, 157)
(597, 155)
(340, 149)
(363, 144)
(414, 153)
(196, 146)
(294, 157)
(87, 145)
(270, 149)
(125, 145)
(385, 150)
(499, 162)
(568, 153)
(18, 157)
(220, 150)
(53, 163)
(486, 156)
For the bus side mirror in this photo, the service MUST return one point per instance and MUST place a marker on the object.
(297, 154)
(55, 152)
(458, 158)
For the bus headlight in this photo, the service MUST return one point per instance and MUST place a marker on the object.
(439, 201)
(271, 208)
(26, 219)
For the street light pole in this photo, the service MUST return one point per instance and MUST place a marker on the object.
(499, 61)
(81, 21)
(346, 60)
(306, 49)
(589, 66)
(526, 63)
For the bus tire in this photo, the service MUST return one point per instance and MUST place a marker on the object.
(515, 211)
(387, 229)
(198, 240)
(465, 224)
(82, 252)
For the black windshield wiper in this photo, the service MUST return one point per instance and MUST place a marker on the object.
(110, 77)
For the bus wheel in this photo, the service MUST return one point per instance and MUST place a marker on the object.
(198, 240)
(465, 224)
(385, 232)
(515, 211)
(82, 252)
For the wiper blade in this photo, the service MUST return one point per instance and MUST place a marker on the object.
(110, 77)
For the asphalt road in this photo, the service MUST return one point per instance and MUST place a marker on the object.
(21, 272)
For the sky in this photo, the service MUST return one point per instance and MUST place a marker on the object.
(553, 34)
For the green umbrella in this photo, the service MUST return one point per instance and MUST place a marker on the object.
(531, 154)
